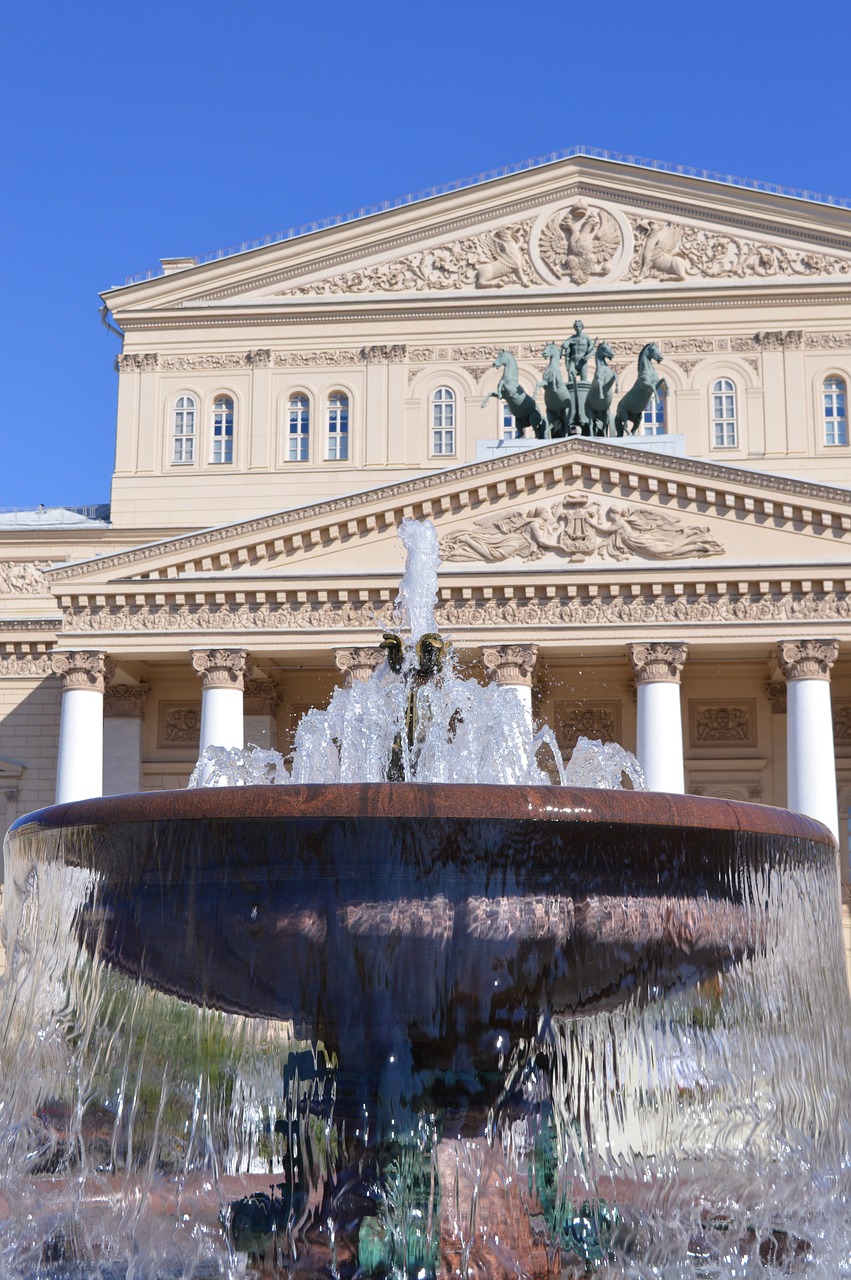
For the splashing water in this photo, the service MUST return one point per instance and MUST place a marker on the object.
(466, 732)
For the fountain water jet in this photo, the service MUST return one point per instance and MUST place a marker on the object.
(408, 1028)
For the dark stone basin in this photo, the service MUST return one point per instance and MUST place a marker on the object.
(429, 926)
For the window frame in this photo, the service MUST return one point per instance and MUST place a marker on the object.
(723, 423)
(839, 391)
(337, 441)
(297, 448)
(183, 437)
(223, 429)
(443, 422)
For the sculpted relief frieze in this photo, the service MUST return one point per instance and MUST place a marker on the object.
(577, 528)
(675, 251)
(23, 578)
(581, 610)
(577, 244)
(489, 260)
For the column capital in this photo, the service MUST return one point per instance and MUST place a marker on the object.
(807, 659)
(358, 664)
(126, 701)
(262, 697)
(83, 669)
(659, 662)
(221, 668)
(511, 664)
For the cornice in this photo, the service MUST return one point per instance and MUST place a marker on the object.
(649, 297)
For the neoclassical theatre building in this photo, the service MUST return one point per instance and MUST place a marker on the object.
(685, 590)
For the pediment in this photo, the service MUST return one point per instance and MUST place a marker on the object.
(575, 227)
(572, 509)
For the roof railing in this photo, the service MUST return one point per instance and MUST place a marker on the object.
(460, 184)
(94, 511)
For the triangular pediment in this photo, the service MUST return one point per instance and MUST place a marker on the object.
(572, 507)
(575, 227)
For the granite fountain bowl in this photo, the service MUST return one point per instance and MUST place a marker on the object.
(378, 918)
(469, 954)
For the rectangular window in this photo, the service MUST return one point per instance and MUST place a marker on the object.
(443, 440)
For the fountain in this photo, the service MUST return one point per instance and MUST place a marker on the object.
(418, 1011)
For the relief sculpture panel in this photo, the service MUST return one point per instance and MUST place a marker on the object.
(675, 251)
(487, 260)
(577, 527)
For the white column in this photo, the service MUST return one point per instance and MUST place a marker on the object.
(659, 737)
(223, 675)
(79, 767)
(511, 665)
(123, 709)
(810, 761)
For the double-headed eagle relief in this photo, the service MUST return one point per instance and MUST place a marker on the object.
(575, 405)
(580, 242)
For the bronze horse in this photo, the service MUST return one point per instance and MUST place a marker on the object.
(632, 405)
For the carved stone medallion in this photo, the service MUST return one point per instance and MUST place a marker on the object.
(579, 242)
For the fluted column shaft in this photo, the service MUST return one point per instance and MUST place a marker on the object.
(810, 760)
(79, 766)
(659, 736)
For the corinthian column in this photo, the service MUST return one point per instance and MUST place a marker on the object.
(358, 664)
(79, 767)
(810, 763)
(512, 665)
(659, 737)
(222, 673)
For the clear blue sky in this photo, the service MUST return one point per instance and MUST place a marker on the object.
(135, 131)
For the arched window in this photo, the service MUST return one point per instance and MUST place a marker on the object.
(338, 427)
(835, 411)
(222, 429)
(508, 431)
(298, 446)
(653, 418)
(724, 428)
(443, 421)
(184, 430)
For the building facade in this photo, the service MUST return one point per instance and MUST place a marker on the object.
(685, 590)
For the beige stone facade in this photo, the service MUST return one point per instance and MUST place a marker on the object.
(281, 411)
